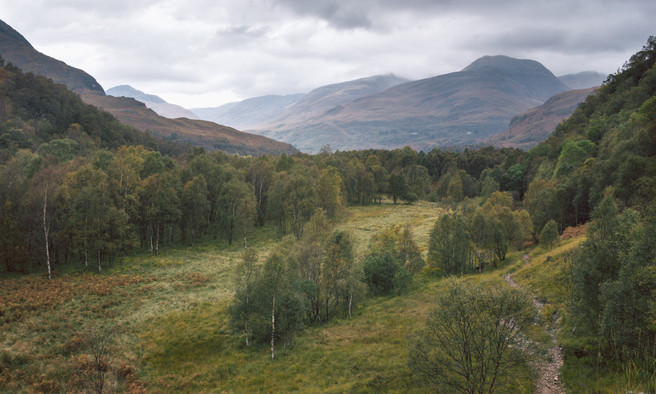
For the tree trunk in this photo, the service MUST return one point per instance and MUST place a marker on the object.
(350, 304)
(46, 229)
(157, 231)
(273, 326)
(99, 264)
(86, 246)
(149, 233)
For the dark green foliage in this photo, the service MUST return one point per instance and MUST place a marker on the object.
(549, 234)
(383, 274)
(450, 246)
(614, 283)
(471, 338)
(398, 186)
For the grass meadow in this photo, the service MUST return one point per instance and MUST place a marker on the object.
(165, 317)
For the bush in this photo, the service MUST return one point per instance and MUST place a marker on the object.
(549, 234)
(383, 274)
(472, 337)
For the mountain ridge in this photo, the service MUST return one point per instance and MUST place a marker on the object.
(454, 109)
(16, 49)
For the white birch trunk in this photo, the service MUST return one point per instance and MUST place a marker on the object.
(46, 229)
(273, 327)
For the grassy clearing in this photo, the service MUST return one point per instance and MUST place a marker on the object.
(547, 275)
(169, 312)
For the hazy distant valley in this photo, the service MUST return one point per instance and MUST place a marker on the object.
(466, 108)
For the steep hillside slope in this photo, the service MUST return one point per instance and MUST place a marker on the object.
(455, 109)
(536, 125)
(16, 49)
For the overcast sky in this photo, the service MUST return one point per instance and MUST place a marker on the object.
(203, 53)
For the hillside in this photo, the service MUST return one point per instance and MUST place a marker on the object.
(16, 49)
(250, 113)
(196, 132)
(260, 113)
(325, 98)
(156, 103)
(537, 124)
(448, 110)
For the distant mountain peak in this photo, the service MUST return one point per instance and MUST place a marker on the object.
(506, 64)
(530, 74)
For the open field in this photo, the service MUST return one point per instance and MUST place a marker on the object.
(167, 318)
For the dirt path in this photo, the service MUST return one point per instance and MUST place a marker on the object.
(548, 382)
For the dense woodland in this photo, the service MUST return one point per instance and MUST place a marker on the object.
(78, 190)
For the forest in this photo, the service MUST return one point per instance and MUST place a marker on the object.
(81, 193)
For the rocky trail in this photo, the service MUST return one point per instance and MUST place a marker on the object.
(548, 382)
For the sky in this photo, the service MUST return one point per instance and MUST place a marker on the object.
(204, 53)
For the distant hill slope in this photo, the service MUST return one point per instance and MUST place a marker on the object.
(537, 124)
(16, 49)
(209, 135)
(156, 103)
(449, 110)
(583, 80)
(250, 113)
(272, 111)
(325, 98)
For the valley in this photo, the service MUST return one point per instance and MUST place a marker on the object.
(483, 230)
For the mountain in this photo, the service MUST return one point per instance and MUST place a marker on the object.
(583, 80)
(325, 98)
(156, 103)
(537, 124)
(250, 113)
(269, 111)
(449, 110)
(16, 49)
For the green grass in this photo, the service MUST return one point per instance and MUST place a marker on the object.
(172, 332)
(547, 275)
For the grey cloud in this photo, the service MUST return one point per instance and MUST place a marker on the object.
(340, 14)
(519, 39)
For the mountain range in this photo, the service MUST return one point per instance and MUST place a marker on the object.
(16, 49)
(495, 100)
(337, 114)
(449, 110)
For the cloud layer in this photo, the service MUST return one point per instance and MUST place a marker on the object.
(205, 53)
